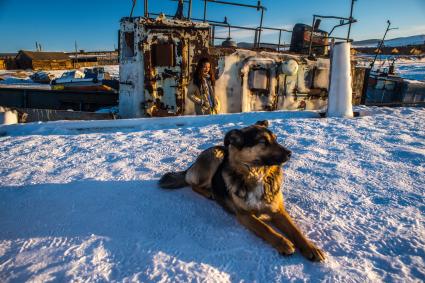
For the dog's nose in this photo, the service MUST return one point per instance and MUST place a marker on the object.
(289, 153)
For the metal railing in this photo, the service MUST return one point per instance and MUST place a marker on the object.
(343, 22)
(225, 24)
(258, 30)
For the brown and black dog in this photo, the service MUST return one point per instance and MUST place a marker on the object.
(245, 176)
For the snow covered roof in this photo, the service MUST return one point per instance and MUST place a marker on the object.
(40, 55)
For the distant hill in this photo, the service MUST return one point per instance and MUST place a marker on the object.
(395, 42)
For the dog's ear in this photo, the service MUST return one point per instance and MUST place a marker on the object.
(235, 138)
(263, 123)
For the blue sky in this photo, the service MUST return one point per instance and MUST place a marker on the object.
(93, 24)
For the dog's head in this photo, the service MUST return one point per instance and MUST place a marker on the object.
(256, 145)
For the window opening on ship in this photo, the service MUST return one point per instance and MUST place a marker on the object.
(258, 80)
(128, 50)
(162, 55)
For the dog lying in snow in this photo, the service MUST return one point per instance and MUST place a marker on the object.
(245, 176)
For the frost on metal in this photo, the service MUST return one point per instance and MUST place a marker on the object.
(158, 57)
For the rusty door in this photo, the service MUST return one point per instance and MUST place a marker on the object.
(163, 62)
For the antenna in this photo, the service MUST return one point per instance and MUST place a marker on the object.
(132, 8)
(75, 59)
(381, 43)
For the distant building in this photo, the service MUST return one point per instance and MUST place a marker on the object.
(43, 60)
(93, 58)
(7, 61)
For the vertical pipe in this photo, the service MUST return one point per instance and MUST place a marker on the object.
(119, 46)
(311, 37)
(365, 86)
(351, 17)
(278, 46)
(189, 12)
(213, 35)
(146, 9)
(189, 62)
(205, 10)
(261, 27)
(75, 59)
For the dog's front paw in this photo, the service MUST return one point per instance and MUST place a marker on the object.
(285, 247)
(313, 253)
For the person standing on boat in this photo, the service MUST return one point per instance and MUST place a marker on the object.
(201, 89)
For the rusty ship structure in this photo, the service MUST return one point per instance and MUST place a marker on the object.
(158, 55)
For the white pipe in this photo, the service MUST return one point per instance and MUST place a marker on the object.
(340, 91)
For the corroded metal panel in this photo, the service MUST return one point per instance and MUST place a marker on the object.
(169, 51)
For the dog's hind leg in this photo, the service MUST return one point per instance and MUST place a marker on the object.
(284, 222)
(268, 234)
(200, 174)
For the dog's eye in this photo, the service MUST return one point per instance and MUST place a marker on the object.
(262, 141)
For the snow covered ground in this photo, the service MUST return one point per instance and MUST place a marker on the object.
(79, 201)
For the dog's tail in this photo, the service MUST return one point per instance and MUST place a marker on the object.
(173, 180)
